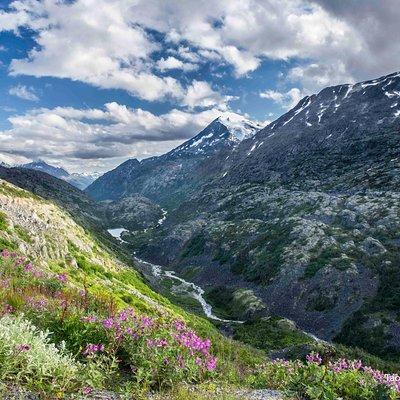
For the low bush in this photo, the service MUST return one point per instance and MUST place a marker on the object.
(318, 379)
(28, 358)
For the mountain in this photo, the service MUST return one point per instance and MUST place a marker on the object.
(305, 217)
(169, 178)
(356, 125)
(56, 278)
(40, 165)
(80, 206)
(222, 133)
(78, 319)
(81, 181)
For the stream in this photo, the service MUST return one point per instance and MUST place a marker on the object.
(159, 273)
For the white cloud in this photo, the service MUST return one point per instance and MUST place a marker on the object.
(109, 44)
(99, 139)
(23, 92)
(165, 64)
(200, 94)
(286, 99)
(106, 42)
(272, 95)
(316, 76)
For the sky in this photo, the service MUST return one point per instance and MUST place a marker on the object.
(87, 84)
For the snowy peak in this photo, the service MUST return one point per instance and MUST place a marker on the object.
(224, 132)
(240, 128)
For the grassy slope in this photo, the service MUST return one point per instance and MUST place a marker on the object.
(50, 238)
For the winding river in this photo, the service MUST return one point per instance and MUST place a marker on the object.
(159, 273)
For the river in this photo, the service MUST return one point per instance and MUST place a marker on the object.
(159, 273)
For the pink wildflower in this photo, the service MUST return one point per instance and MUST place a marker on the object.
(21, 348)
(93, 348)
(108, 323)
(314, 358)
(62, 277)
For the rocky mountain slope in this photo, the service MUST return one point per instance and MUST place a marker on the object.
(345, 128)
(172, 177)
(42, 184)
(305, 215)
(81, 181)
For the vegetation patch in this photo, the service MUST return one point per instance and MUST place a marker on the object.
(270, 334)
(195, 246)
(3, 221)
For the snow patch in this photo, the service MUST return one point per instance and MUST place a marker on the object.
(239, 127)
(395, 93)
(349, 89)
(252, 149)
(305, 105)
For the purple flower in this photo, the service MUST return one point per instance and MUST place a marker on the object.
(28, 267)
(93, 348)
(62, 277)
(7, 309)
(179, 325)
(211, 363)
(108, 323)
(5, 253)
(314, 358)
(21, 348)
(87, 390)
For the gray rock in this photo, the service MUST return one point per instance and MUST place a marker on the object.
(372, 246)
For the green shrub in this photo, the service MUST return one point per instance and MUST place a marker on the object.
(22, 234)
(28, 358)
(195, 246)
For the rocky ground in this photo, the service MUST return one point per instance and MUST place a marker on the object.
(316, 257)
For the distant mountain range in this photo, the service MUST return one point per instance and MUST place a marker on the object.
(81, 181)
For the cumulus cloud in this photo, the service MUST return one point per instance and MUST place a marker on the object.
(98, 139)
(107, 42)
(23, 92)
(165, 64)
(200, 94)
(286, 99)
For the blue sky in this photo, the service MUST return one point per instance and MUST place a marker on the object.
(86, 84)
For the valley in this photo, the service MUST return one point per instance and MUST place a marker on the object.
(199, 200)
(298, 220)
(273, 242)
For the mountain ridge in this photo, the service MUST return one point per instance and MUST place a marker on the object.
(305, 217)
(80, 181)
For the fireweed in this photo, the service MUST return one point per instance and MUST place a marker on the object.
(158, 352)
(320, 379)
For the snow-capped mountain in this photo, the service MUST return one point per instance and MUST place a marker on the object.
(348, 122)
(223, 132)
(81, 181)
(180, 169)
